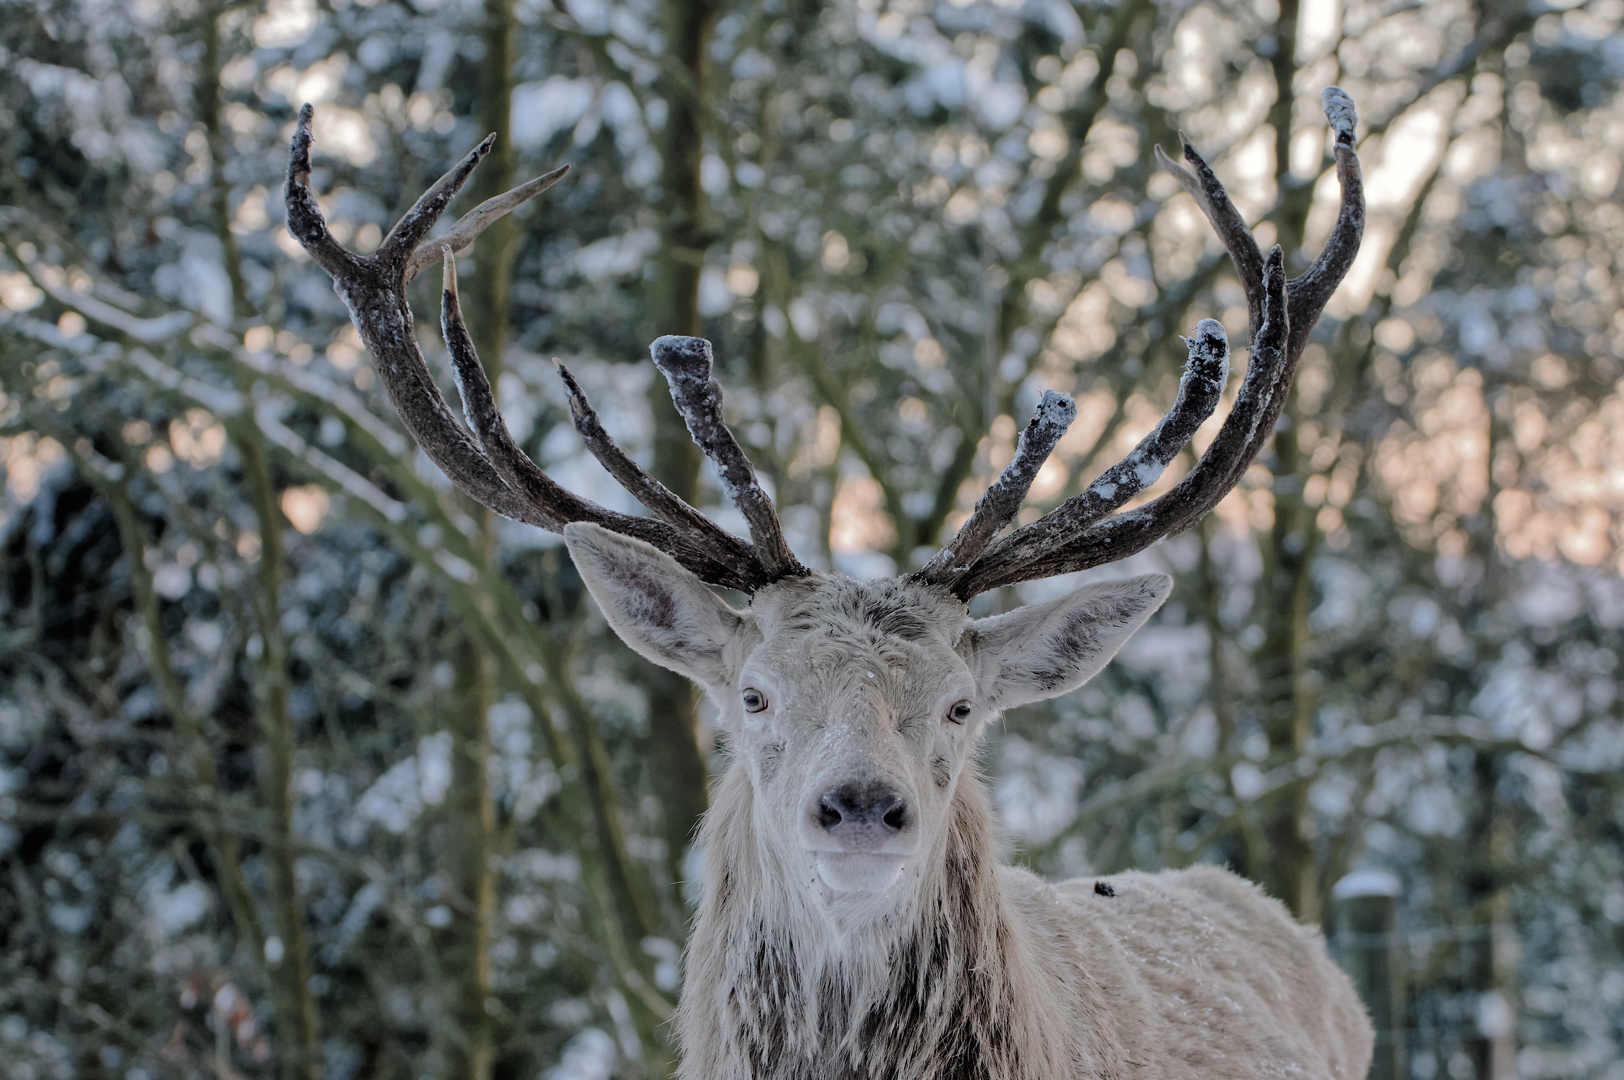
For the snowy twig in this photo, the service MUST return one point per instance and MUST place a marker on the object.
(219, 400)
(145, 331)
(348, 404)
(337, 474)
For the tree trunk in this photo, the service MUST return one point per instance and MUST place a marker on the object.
(1286, 867)
(680, 775)
(295, 1012)
(1492, 839)
(1285, 863)
(301, 1050)
(464, 943)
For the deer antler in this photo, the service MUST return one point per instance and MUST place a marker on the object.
(488, 464)
(1079, 533)
(1085, 531)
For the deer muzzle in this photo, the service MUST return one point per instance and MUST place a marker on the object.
(860, 833)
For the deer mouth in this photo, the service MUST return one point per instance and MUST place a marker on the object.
(858, 871)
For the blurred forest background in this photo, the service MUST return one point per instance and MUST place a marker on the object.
(308, 768)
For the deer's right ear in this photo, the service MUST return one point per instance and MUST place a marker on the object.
(1043, 650)
(658, 608)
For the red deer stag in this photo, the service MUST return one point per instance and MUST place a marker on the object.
(855, 920)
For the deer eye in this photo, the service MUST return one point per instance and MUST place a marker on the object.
(959, 712)
(754, 700)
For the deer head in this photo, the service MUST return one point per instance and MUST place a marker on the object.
(852, 706)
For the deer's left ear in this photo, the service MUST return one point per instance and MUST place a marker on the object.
(1043, 650)
(658, 608)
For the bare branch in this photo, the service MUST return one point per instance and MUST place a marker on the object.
(686, 364)
(1002, 501)
(477, 220)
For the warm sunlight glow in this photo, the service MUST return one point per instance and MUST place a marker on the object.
(306, 507)
(857, 519)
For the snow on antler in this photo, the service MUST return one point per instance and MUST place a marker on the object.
(487, 464)
(1085, 531)
(1078, 534)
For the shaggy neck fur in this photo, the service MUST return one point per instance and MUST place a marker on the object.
(781, 987)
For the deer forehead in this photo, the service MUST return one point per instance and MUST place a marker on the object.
(884, 640)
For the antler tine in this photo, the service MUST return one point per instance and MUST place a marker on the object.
(1200, 389)
(492, 470)
(1074, 537)
(1308, 294)
(555, 506)
(414, 225)
(305, 219)
(661, 500)
(711, 553)
(475, 221)
(1002, 501)
(377, 305)
(686, 364)
(1208, 192)
(1190, 499)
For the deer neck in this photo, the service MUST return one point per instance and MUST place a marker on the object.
(779, 986)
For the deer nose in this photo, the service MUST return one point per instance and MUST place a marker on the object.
(860, 812)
